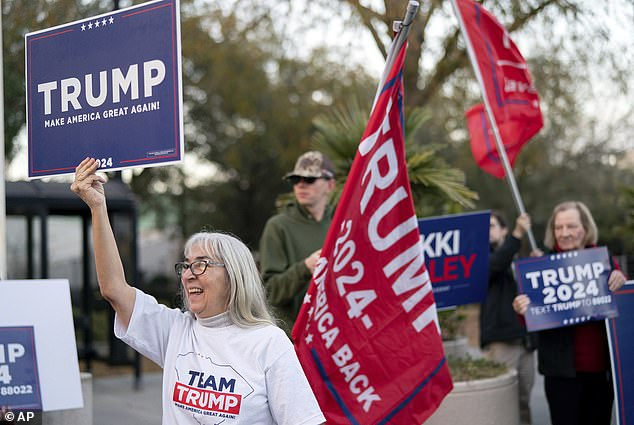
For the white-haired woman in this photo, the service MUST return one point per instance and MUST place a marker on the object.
(575, 360)
(223, 359)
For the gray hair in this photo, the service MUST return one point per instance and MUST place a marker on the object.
(247, 304)
(592, 232)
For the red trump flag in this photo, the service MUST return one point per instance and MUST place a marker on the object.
(514, 133)
(367, 334)
(507, 87)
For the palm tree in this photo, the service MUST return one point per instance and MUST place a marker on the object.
(436, 187)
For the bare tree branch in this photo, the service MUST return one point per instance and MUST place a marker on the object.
(368, 16)
(454, 59)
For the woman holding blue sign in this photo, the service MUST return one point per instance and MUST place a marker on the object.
(223, 358)
(575, 360)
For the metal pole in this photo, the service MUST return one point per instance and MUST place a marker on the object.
(397, 42)
(3, 199)
(86, 294)
(508, 171)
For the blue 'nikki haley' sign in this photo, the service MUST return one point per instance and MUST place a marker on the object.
(107, 87)
(566, 288)
(456, 250)
(19, 379)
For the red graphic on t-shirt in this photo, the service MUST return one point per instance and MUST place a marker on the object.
(206, 399)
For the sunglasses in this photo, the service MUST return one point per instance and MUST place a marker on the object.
(197, 267)
(293, 180)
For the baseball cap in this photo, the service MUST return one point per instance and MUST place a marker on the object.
(313, 164)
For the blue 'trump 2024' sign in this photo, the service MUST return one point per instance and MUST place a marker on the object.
(566, 288)
(108, 87)
(456, 249)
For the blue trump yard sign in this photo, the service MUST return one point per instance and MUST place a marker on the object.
(456, 250)
(621, 338)
(566, 288)
(108, 87)
(19, 380)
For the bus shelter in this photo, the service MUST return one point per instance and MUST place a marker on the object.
(49, 236)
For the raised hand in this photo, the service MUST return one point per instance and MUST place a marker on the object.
(88, 185)
(522, 224)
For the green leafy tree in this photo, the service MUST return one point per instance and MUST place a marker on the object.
(626, 227)
(249, 112)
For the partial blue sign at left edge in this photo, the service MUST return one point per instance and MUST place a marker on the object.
(107, 87)
(621, 339)
(19, 378)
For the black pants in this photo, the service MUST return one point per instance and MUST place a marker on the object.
(583, 400)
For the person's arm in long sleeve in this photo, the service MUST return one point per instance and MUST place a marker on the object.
(501, 258)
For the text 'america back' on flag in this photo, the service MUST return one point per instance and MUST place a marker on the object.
(507, 88)
(367, 335)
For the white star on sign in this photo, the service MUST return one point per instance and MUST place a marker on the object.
(309, 338)
(103, 22)
(306, 299)
(83, 27)
(96, 24)
(89, 25)
(111, 20)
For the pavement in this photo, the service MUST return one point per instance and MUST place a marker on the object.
(116, 401)
(539, 405)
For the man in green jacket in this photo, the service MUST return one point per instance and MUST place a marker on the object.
(292, 239)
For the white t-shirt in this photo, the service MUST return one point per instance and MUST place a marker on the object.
(216, 372)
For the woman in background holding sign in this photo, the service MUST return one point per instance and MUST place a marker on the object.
(503, 335)
(575, 360)
(223, 359)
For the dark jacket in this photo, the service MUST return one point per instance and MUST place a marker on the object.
(498, 320)
(288, 238)
(556, 354)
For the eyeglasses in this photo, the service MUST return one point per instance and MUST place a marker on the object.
(293, 180)
(197, 267)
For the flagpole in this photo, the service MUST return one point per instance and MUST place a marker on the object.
(403, 28)
(508, 171)
(3, 209)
